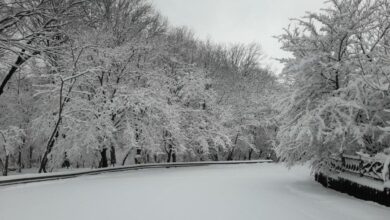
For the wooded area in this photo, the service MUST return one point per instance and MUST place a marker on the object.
(94, 83)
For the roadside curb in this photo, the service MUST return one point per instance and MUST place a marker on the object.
(24, 180)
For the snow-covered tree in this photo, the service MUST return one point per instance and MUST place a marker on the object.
(339, 82)
(116, 84)
(11, 142)
(33, 27)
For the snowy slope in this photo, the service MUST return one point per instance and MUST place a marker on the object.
(260, 191)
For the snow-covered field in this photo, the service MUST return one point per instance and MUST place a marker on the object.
(245, 192)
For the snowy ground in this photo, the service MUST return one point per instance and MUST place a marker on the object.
(258, 191)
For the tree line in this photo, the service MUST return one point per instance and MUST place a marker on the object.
(96, 83)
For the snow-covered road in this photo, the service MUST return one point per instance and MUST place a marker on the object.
(240, 192)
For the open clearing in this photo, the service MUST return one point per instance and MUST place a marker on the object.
(257, 191)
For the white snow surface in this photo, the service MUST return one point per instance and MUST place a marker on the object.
(222, 192)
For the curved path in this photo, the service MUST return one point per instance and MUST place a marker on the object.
(255, 191)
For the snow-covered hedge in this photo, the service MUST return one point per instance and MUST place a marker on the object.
(368, 191)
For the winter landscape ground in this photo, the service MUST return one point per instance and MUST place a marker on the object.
(260, 191)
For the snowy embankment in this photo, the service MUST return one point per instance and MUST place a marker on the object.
(256, 191)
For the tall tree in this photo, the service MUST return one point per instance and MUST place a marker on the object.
(338, 82)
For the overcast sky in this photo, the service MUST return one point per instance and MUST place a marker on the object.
(238, 21)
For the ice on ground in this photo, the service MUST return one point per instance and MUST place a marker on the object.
(257, 191)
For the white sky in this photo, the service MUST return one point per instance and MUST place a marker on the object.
(238, 21)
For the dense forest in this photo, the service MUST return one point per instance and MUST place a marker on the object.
(98, 83)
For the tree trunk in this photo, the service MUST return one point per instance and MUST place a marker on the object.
(215, 157)
(103, 161)
(22, 58)
(1, 165)
(169, 155)
(124, 159)
(50, 145)
(20, 161)
(19, 61)
(230, 155)
(112, 156)
(250, 154)
(30, 157)
(174, 158)
(147, 158)
(55, 133)
(44, 160)
(5, 171)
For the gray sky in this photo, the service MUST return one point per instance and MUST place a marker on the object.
(238, 21)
